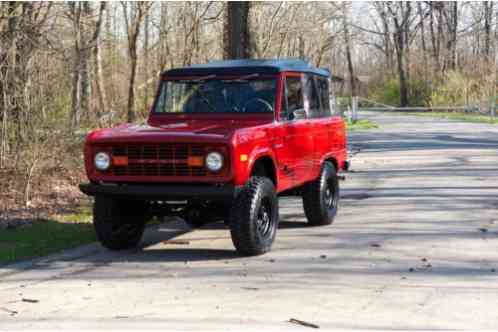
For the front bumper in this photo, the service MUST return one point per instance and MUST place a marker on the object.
(162, 192)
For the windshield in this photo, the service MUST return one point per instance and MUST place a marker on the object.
(217, 96)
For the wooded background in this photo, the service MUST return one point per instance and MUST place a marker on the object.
(68, 67)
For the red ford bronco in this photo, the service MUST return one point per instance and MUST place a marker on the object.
(223, 141)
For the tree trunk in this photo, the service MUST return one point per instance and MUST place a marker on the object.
(422, 38)
(163, 37)
(75, 9)
(133, 24)
(131, 87)
(451, 16)
(435, 50)
(301, 46)
(403, 90)
(86, 87)
(488, 17)
(99, 82)
(76, 97)
(347, 43)
(146, 66)
(236, 31)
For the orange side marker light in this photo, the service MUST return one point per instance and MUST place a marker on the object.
(195, 161)
(120, 161)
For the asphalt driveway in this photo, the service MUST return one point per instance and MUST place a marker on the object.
(415, 246)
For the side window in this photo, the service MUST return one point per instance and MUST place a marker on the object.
(312, 97)
(293, 99)
(323, 88)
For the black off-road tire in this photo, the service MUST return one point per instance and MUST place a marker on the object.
(254, 217)
(320, 206)
(119, 224)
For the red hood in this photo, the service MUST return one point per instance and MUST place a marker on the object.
(188, 130)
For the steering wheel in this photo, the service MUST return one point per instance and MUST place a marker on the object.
(260, 101)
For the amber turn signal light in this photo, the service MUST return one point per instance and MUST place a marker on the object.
(120, 161)
(195, 161)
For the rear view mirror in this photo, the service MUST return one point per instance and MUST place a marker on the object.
(298, 114)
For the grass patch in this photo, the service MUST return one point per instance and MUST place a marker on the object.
(82, 214)
(361, 125)
(458, 116)
(46, 236)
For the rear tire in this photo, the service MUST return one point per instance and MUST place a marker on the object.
(321, 197)
(119, 224)
(254, 217)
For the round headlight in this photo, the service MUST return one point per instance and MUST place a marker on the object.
(102, 161)
(214, 161)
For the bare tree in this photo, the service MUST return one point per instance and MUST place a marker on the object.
(134, 14)
(488, 21)
(86, 34)
(400, 13)
(98, 71)
(347, 45)
(451, 16)
(22, 27)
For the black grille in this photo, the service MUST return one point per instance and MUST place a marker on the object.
(158, 160)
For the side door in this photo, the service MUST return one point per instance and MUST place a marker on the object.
(334, 125)
(316, 127)
(296, 148)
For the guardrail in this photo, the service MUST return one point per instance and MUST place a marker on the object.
(388, 108)
(465, 109)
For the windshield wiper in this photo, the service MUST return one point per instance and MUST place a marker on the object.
(242, 79)
(199, 80)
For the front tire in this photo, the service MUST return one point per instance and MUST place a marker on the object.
(321, 197)
(119, 224)
(254, 217)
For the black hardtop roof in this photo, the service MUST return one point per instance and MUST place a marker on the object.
(248, 66)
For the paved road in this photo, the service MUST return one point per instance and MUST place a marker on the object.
(415, 246)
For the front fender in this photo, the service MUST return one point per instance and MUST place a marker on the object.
(243, 169)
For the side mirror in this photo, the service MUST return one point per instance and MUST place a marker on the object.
(298, 114)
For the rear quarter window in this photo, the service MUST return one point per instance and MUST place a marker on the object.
(324, 93)
(312, 96)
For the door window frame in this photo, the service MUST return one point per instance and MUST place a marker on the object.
(284, 100)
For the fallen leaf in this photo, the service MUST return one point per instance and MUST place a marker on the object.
(375, 245)
(30, 300)
(176, 242)
(424, 259)
(303, 323)
(11, 312)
